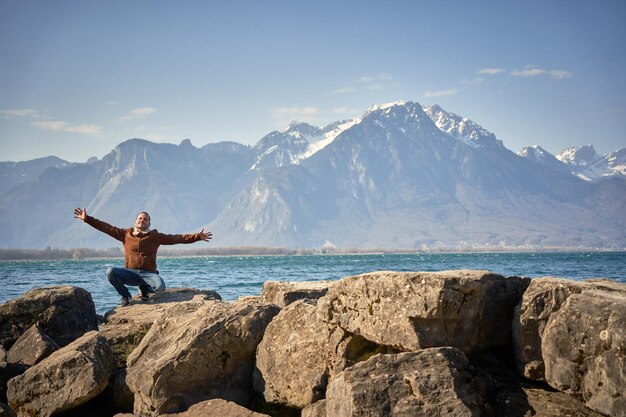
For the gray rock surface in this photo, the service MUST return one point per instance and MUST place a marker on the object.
(299, 353)
(32, 347)
(429, 382)
(195, 351)
(469, 310)
(360, 350)
(66, 379)
(216, 408)
(64, 313)
(584, 350)
(124, 327)
(542, 299)
(284, 293)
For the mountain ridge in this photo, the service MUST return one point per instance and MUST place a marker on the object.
(402, 175)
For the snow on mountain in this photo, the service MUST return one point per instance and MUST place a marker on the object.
(617, 162)
(544, 158)
(461, 128)
(586, 163)
(297, 142)
(300, 141)
(579, 156)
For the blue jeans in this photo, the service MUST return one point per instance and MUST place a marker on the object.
(147, 281)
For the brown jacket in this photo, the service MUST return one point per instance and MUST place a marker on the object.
(140, 251)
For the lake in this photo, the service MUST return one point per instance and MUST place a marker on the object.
(234, 276)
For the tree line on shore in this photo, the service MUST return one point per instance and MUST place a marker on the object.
(49, 253)
(116, 252)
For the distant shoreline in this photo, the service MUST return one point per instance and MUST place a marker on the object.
(18, 254)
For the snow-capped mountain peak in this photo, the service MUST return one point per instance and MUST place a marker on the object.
(385, 106)
(327, 138)
(460, 128)
(579, 155)
(535, 152)
(296, 143)
(586, 163)
(544, 158)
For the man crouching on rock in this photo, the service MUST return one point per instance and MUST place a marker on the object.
(140, 249)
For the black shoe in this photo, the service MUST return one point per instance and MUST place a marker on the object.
(125, 301)
(144, 294)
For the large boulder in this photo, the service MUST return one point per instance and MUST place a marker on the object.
(69, 377)
(63, 313)
(124, 327)
(429, 382)
(283, 293)
(299, 353)
(470, 310)
(584, 350)
(32, 347)
(216, 408)
(542, 299)
(196, 351)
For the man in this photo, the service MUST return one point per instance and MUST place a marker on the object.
(140, 249)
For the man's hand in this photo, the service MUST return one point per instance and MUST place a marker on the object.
(206, 236)
(80, 213)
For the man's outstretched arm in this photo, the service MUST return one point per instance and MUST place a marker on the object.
(114, 232)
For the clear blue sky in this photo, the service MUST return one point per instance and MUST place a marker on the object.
(79, 77)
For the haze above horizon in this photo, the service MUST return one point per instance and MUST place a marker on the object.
(78, 78)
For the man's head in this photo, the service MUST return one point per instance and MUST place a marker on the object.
(142, 222)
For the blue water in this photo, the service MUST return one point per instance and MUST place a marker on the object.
(234, 276)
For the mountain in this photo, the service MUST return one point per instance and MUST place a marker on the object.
(544, 158)
(297, 142)
(14, 173)
(399, 176)
(180, 186)
(584, 162)
(396, 179)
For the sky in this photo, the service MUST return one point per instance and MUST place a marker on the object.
(79, 77)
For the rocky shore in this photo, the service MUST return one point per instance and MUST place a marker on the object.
(451, 343)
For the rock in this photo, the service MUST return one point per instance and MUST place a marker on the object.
(196, 351)
(8, 371)
(284, 293)
(32, 347)
(125, 326)
(584, 350)
(535, 402)
(299, 353)
(3, 374)
(216, 408)
(470, 310)
(429, 382)
(66, 379)
(544, 297)
(317, 409)
(63, 313)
